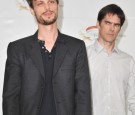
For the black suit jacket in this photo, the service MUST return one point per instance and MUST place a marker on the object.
(24, 78)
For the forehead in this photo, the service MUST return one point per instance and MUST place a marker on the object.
(112, 17)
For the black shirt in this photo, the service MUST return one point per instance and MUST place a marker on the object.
(48, 104)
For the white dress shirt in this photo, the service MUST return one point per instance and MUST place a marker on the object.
(113, 81)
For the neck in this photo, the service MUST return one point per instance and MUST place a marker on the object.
(47, 33)
(108, 46)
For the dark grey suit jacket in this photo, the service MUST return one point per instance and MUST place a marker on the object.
(24, 78)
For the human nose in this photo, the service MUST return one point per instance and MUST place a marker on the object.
(112, 27)
(47, 6)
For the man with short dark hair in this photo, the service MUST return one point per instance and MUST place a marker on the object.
(112, 71)
(46, 73)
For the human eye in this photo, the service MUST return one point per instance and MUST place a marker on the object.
(107, 23)
(117, 25)
(39, 3)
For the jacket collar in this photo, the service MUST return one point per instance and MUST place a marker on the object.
(36, 56)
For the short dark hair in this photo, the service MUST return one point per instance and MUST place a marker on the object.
(111, 9)
(30, 2)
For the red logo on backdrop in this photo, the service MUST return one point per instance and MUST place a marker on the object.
(90, 33)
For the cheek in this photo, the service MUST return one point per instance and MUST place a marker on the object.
(38, 12)
(103, 31)
(117, 32)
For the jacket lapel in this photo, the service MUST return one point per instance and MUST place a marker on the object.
(36, 56)
(61, 51)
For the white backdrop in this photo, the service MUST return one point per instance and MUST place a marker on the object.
(75, 16)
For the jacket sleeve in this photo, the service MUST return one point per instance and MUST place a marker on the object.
(11, 88)
(82, 84)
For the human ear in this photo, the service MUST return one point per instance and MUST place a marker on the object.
(32, 11)
(97, 24)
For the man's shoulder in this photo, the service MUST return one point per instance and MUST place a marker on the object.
(91, 48)
(72, 39)
(73, 44)
(125, 57)
(23, 40)
(21, 44)
(124, 54)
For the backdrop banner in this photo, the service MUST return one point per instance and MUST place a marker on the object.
(76, 18)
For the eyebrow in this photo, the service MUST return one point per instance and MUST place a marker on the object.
(112, 22)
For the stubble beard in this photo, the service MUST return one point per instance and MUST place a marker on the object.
(45, 21)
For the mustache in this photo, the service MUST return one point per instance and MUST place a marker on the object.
(47, 11)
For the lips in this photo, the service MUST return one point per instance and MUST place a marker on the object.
(48, 13)
(110, 34)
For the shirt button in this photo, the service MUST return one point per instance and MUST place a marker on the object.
(50, 56)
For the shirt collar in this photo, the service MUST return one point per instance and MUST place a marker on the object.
(57, 40)
(99, 48)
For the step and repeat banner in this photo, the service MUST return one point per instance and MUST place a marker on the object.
(76, 18)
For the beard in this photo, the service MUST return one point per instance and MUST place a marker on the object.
(46, 21)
